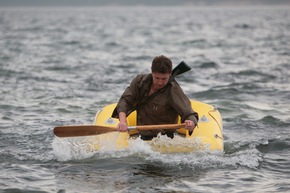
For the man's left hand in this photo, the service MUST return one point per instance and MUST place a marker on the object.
(189, 125)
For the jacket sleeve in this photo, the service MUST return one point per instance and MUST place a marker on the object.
(182, 104)
(127, 100)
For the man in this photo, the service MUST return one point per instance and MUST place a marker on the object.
(157, 100)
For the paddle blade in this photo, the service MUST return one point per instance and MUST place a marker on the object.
(81, 130)
(182, 67)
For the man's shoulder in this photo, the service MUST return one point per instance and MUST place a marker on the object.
(140, 80)
(174, 83)
(142, 77)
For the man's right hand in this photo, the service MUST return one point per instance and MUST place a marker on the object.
(122, 126)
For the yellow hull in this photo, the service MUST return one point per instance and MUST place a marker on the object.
(208, 135)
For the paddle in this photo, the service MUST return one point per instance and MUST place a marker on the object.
(87, 130)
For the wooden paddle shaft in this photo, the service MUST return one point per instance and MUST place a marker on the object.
(156, 127)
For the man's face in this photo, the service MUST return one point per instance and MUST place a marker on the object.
(160, 80)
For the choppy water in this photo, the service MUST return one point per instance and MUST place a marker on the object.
(60, 66)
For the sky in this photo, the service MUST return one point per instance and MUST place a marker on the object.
(140, 2)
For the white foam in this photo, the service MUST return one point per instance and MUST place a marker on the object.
(79, 148)
(76, 148)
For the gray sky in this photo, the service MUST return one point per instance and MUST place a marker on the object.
(139, 2)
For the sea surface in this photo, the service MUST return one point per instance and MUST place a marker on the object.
(59, 66)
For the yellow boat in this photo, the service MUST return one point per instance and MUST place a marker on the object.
(207, 136)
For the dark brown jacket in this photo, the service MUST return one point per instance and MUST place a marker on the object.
(162, 107)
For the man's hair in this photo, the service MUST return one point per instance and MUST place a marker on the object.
(161, 64)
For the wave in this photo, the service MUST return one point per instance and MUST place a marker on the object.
(278, 144)
(209, 64)
(274, 122)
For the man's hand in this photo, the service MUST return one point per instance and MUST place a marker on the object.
(189, 125)
(122, 127)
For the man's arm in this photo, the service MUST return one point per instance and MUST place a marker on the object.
(122, 126)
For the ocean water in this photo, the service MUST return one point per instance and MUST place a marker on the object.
(59, 66)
